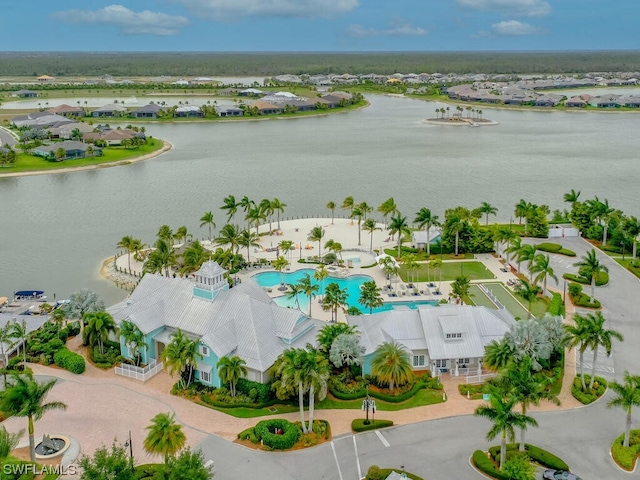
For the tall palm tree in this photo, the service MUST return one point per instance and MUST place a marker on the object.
(599, 336)
(231, 206)
(388, 207)
(315, 235)
(410, 264)
(125, 243)
(460, 288)
(161, 259)
(229, 235)
(309, 288)
(165, 233)
(365, 208)
(332, 206)
(100, 325)
(601, 212)
(207, 219)
(230, 370)
(358, 213)
(5, 338)
(278, 207)
(500, 412)
(193, 257)
(136, 247)
(286, 246)
(487, 209)
(320, 274)
(425, 219)
(370, 225)
(391, 365)
(180, 356)
(503, 235)
(254, 216)
(348, 204)
(287, 369)
(181, 234)
(280, 264)
(578, 336)
(455, 224)
(316, 370)
(572, 197)
(519, 380)
(399, 225)
(542, 267)
(334, 298)
(165, 436)
(133, 339)
(25, 397)
(590, 267)
(248, 239)
(18, 330)
(527, 253)
(370, 296)
(627, 396)
(497, 355)
(631, 227)
(265, 207)
(521, 211)
(528, 291)
(246, 204)
(81, 302)
(515, 245)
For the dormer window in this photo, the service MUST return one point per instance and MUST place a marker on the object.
(451, 336)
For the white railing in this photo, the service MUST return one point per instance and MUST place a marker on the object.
(479, 378)
(491, 296)
(139, 373)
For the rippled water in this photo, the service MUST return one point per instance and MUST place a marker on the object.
(56, 229)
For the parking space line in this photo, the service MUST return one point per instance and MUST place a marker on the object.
(355, 447)
(382, 439)
(335, 456)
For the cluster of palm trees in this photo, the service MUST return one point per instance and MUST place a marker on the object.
(180, 357)
(471, 112)
(12, 334)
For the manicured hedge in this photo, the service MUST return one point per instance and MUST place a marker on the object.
(264, 430)
(589, 396)
(536, 454)
(69, 360)
(207, 400)
(486, 465)
(584, 300)
(419, 385)
(377, 473)
(626, 456)
(249, 434)
(601, 279)
(555, 248)
(245, 386)
(555, 305)
(358, 424)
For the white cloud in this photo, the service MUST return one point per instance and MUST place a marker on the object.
(510, 28)
(509, 8)
(228, 9)
(398, 28)
(128, 21)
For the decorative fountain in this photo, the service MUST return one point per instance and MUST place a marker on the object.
(51, 446)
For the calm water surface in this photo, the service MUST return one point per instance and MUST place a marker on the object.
(56, 229)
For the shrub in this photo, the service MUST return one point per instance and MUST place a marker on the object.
(358, 424)
(626, 456)
(249, 434)
(65, 358)
(377, 473)
(584, 300)
(537, 454)
(555, 248)
(486, 465)
(590, 396)
(265, 431)
(519, 467)
(109, 358)
(555, 305)
(263, 390)
(601, 279)
(475, 391)
(72, 329)
(575, 289)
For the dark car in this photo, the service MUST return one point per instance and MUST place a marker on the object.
(559, 475)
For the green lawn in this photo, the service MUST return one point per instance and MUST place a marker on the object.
(450, 270)
(29, 163)
(423, 397)
(244, 412)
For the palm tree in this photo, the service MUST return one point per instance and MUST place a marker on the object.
(332, 206)
(81, 302)
(348, 204)
(5, 338)
(125, 243)
(193, 257)
(370, 225)
(515, 245)
(357, 212)
(365, 209)
(230, 370)
(599, 336)
(254, 216)
(455, 224)
(572, 197)
(18, 330)
(370, 296)
(334, 298)
(399, 225)
(391, 365)
(229, 235)
(388, 207)
(248, 239)
(526, 387)
(315, 235)
(277, 206)
(280, 264)
(500, 412)
(288, 369)
(133, 339)
(497, 355)
(578, 336)
(425, 219)
(180, 356)
(316, 370)
(207, 219)
(631, 227)
(601, 212)
(246, 205)
(529, 292)
(136, 247)
(627, 396)
(309, 288)
(320, 274)
(231, 206)
(527, 253)
(521, 211)
(161, 258)
(165, 233)
(181, 234)
(487, 209)
(542, 266)
(460, 288)
(327, 334)
(410, 264)
(101, 324)
(590, 267)
(25, 397)
(292, 293)
(165, 436)
(503, 235)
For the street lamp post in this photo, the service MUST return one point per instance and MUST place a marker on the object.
(129, 444)
(564, 292)
(369, 403)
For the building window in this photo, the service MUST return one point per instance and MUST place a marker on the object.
(463, 361)
(205, 377)
(453, 335)
(441, 364)
(204, 350)
(418, 360)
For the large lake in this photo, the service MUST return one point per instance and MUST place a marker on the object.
(56, 229)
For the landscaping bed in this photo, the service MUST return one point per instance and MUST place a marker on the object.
(280, 434)
(589, 396)
(360, 425)
(377, 473)
(475, 390)
(626, 457)
(601, 279)
(488, 462)
(581, 299)
(554, 248)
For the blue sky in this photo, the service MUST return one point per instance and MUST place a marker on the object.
(319, 25)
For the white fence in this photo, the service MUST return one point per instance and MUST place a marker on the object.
(139, 373)
(479, 378)
(559, 231)
(491, 296)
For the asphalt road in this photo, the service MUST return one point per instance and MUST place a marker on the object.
(6, 137)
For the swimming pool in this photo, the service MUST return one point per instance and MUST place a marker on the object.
(352, 283)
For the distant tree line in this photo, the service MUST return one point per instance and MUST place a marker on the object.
(62, 64)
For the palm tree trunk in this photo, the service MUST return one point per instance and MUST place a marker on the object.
(634, 248)
(301, 405)
(399, 243)
(311, 405)
(359, 232)
(593, 367)
(457, 239)
(428, 243)
(371, 243)
(32, 444)
(593, 287)
(604, 235)
(522, 430)
(503, 448)
(584, 387)
(627, 431)
(310, 302)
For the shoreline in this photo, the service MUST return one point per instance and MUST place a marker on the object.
(166, 146)
(465, 122)
(121, 280)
